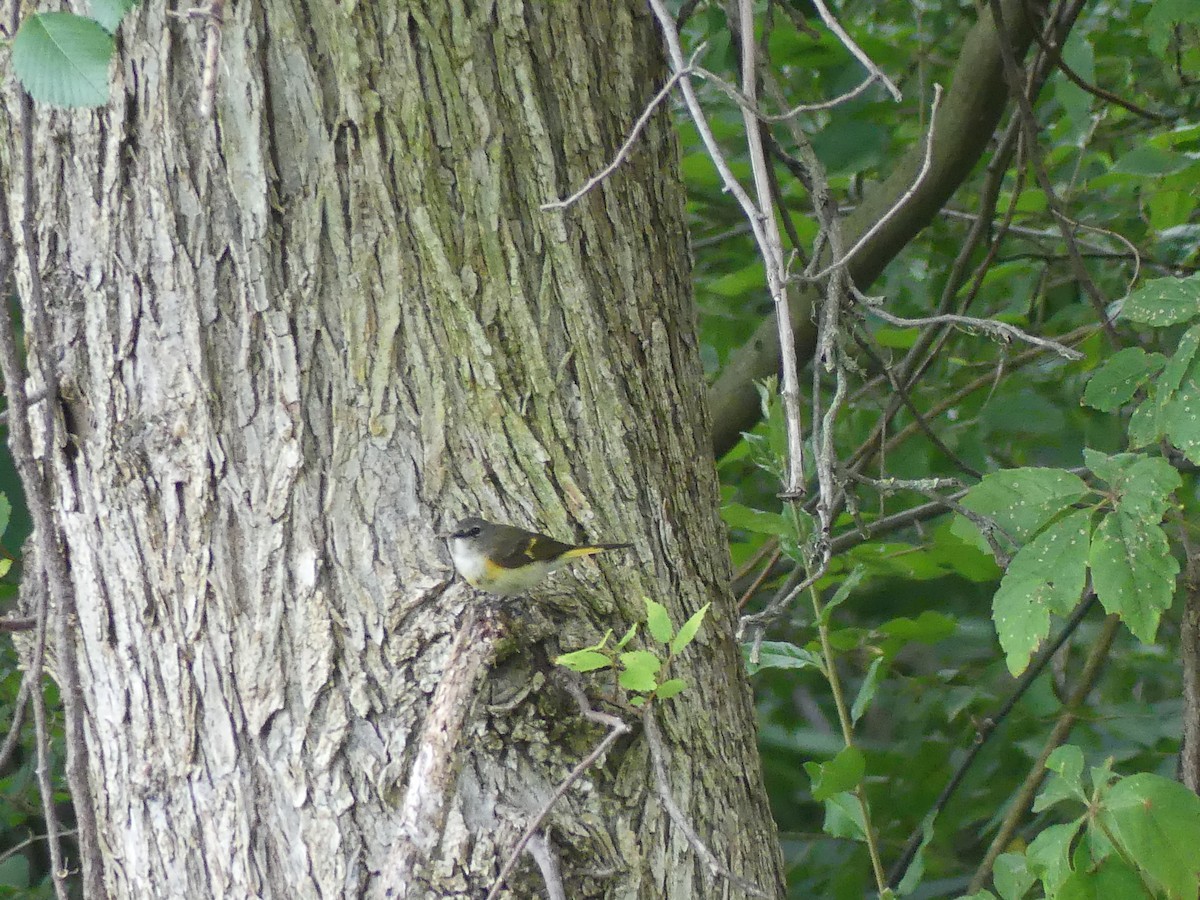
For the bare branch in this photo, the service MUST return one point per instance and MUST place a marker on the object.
(627, 147)
(616, 728)
(1002, 330)
(832, 24)
(772, 118)
(926, 163)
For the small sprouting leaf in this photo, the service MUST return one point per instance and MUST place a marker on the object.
(658, 621)
(688, 632)
(1066, 762)
(670, 688)
(1117, 380)
(1045, 577)
(1157, 822)
(781, 655)
(638, 670)
(62, 59)
(1020, 501)
(5, 565)
(845, 589)
(583, 661)
(1164, 301)
(637, 700)
(628, 636)
(842, 773)
(866, 691)
(1133, 571)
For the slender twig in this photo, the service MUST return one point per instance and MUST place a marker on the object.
(832, 24)
(773, 118)
(1097, 657)
(713, 866)
(13, 738)
(987, 728)
(616, 727)
(1002, 330)
(772, 253)
(635, 132)
(926, 164)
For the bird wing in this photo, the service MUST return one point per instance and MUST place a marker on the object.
(527, 548)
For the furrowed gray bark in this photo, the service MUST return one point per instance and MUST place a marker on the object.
(299, 339)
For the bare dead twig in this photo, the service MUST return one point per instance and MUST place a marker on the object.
(1002, 330)
(662, 783)
(616, 727)
(773, 118)
(926, 164)
(832, 24)
(635, 132)
(771, 247)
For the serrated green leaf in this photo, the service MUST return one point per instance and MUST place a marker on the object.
(1181, 415)
(1145, 485)
(1045, 577)
(1020, 501)
(1133, 571)
(1163, 302)
(687, 633)
(1066, 762)
(638, 670)
(1145, 425)
(842, 773)
(670, 688)
(1157, 822)
(62, 59)
(781, 655)
(583, 661)
(637, 701)
(1117, 380)
(866, 691)
(658, 621)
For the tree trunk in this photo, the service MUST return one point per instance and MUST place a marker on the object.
(297, 341)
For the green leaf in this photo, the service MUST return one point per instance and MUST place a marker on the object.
(62, 59)
(1020, 501)
(583, 661)
(928, 628)
(842, 773)
(1143, 484)
(1012, 876)
(1112, 877)
(780, 655)
(1045, 577)
(628, 636)
(109, 13)
(1133, 571)
(844, 817)
(756, 520)
(1117, 380)
(639, 668)
(5, 513)
(845, 589)
(658, 622)
(1157, 822)
(1162, 18)
(670, 688)
(1164, 301)
(1066, 762)
(688, 632)
(866, 691)
(1151, 161)
(1181, 416)
(1049, 855)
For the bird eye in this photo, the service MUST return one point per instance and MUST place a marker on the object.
(474, 531)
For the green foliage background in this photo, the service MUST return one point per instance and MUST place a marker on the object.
(911, 613)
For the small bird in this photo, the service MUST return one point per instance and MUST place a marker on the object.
(507, 561)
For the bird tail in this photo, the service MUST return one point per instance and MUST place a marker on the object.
(593, 549)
